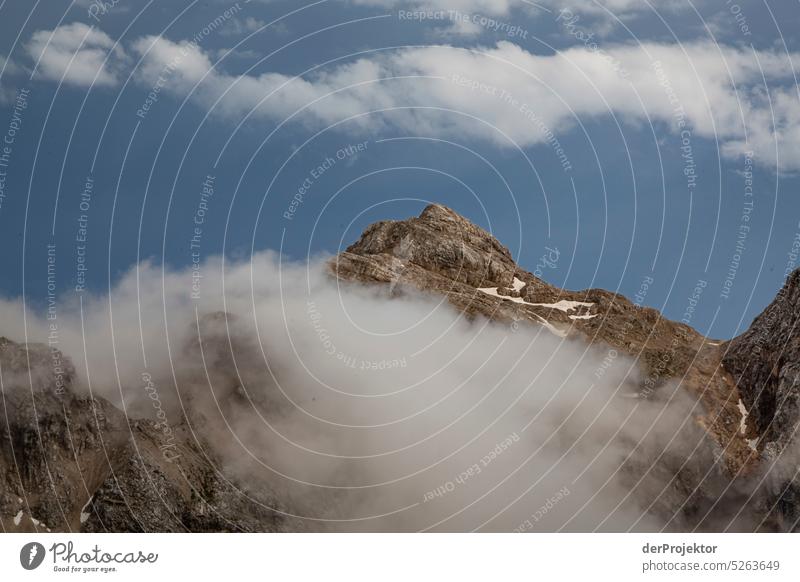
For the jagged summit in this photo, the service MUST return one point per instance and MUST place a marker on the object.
(443, 242)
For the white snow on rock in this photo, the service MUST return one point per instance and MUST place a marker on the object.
(493, 292)
(743, 425)
(743, 421)
(85, 515)
(564, 305)
(38, 523)
(18, 518)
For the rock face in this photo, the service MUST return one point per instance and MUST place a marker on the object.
(765, 361)
(77, 463)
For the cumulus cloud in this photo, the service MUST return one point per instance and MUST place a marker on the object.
(505, 93)
(742, 98)
(77, 53)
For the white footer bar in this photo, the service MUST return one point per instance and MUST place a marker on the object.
(402, 557)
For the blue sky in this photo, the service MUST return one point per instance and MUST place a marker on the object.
(638, 141)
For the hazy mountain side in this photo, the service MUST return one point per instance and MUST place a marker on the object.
(70, 462)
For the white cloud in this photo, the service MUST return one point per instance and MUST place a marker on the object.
(499, 93)
(78, 53)
(522, 95)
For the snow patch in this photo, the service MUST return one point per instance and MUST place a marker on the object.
(743, 421)
(38, 523)
(743, 426)
(493, 292)
(84, 514)
(564, 305)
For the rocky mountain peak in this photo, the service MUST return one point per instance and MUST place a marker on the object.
(439, 213)
(440, 241)
(446, 220)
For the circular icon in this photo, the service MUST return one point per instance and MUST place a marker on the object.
(31, 555)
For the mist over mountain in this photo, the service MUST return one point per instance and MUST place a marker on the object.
(420, 380)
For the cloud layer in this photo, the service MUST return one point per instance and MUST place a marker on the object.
(366, 412)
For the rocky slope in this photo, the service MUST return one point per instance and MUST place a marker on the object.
(73, 462)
